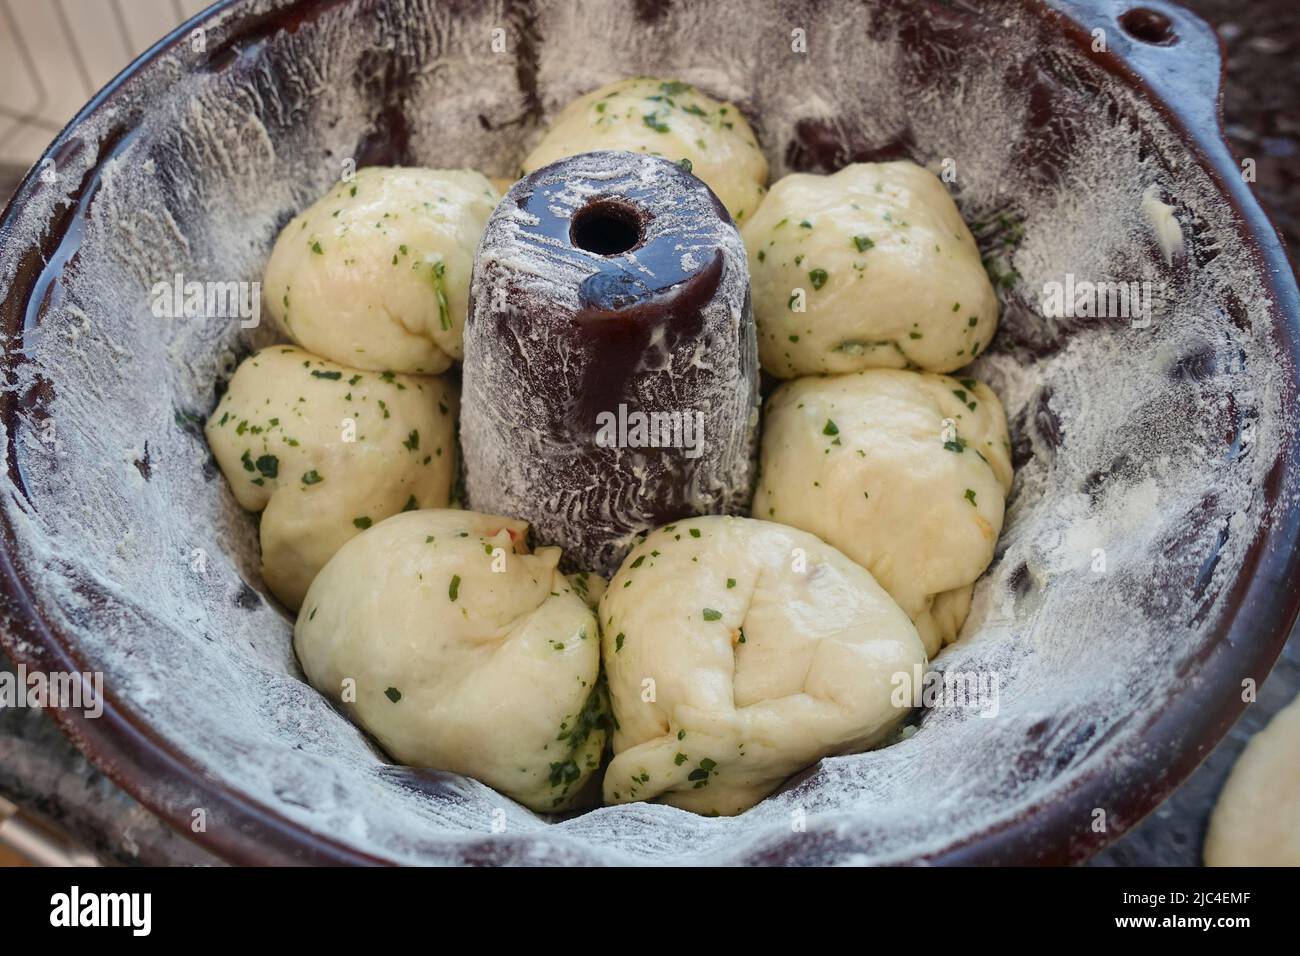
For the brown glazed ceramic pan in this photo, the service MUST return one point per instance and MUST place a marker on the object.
(1146, 574)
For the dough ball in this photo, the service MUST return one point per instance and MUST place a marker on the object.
(890, 276)
(1257, 819)
(905, 472)
(324, 451)
(738, 652)
(664, 118)
(589, 586)
(465, 652)
(375, 274)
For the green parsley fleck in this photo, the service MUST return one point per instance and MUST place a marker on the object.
(444, 310)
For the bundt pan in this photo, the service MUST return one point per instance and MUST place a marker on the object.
(1148, 565)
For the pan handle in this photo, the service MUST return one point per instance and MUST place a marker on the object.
(1170, 49)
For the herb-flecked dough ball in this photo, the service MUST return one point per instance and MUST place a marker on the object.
(665, 118)
(442, 635)
(323, 451)
(738, 652)
(871, 267)
(907, 473)
(375, 274)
